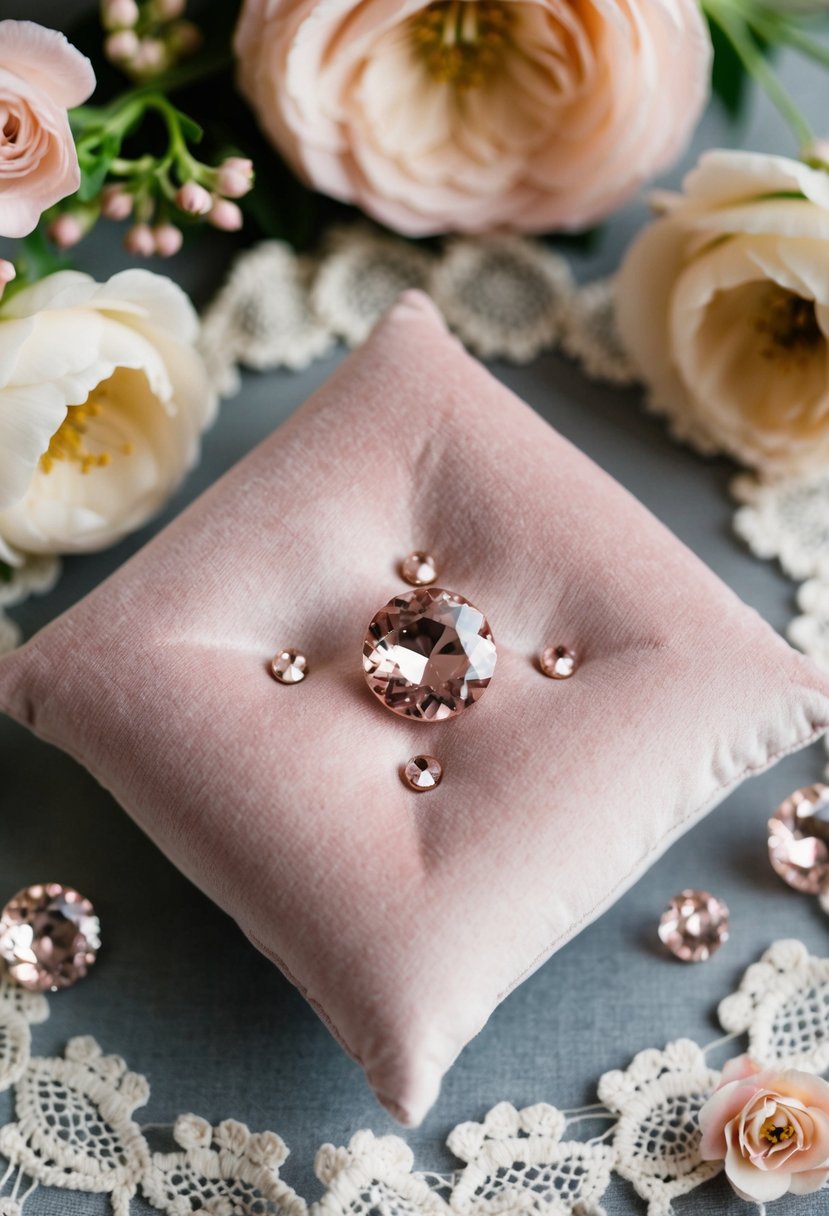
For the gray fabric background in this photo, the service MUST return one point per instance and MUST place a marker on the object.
(188, 1002)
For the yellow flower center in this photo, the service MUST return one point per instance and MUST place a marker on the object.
(72, 442)
(462, 42)
(790, 325)
(776, 1133)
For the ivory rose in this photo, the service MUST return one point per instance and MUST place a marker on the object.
(102, 401)
(472, 115)
(771, 1129)
(41, 76)
(723, 303)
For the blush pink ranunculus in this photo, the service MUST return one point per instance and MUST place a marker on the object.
(41, 76)
(472, 115)
(770, 1127)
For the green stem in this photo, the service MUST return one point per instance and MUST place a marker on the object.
(733, 25)
(775, 30)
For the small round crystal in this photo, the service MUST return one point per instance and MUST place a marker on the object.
(694, 925)
(49, 937)
(419, 569)
(422, 773)
(799, 839)
(557, 662)
(289, 666)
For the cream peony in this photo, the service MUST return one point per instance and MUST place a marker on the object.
(723, 304)
(102, 401)
(770, 1127)
(471, 115)
(41, 75)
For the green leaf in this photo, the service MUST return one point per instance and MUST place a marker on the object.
(6, 573)
(95, 167)
(729, 78)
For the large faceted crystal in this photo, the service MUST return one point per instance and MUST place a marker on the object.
(429, 654)
(49, 937)
(799, 839)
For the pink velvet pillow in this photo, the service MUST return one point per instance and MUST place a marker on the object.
(404, 918)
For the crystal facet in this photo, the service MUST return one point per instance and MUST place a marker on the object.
(289, 666)
(422, 773)
(799, 839)
(694, 925)
(557, 662)
(49, 937)
(419, 569)
(428, 654)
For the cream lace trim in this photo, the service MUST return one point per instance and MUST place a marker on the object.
(74, 1127)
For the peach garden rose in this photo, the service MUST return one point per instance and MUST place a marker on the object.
(41, 76)
(473, 115)
(770, 1127)
(723, 303)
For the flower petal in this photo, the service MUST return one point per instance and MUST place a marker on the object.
(48, 60)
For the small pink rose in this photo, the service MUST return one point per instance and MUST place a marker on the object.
(770, 1127)
(41, 76)
(66, 230)
(116, 203)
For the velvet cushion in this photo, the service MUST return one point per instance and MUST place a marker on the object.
(404, 918)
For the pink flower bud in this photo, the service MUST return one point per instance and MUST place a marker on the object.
(140, 240)
(116, 203)
(7, 273)
(150, 58)
(119, 14)
(121, 46)
(168, 240)
(65, 230)
(235, 177)
(168, 10)
(194, 199)
(184, 38)
(225, 215)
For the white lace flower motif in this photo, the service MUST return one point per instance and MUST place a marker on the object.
(782, 1004)
(518, 1162)
(74, 1125)
(505, 296)
(787, 519)
(590, 336)
(19, 1010)
(262, 318)
(374, 1175)
(360, 275)
(225, 1171)
(35, 575)
(656, 1142)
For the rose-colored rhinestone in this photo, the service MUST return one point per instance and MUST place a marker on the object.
(557, 662)
(419, 569)
(428, 654)
(289, 666)
(422, 773)
(49, 937)
(694, 925)
(799, 839)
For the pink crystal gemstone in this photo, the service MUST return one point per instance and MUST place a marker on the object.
(429, 654)
(694, 925)
(557, 662)
(289, 667)
(419, 568)
(422, 773)
(49, 937)
(799, 839)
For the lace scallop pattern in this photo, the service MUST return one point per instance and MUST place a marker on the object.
(74, 1127)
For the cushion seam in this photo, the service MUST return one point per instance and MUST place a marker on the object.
(815, 732)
